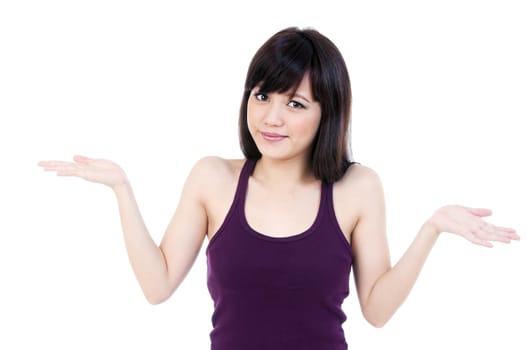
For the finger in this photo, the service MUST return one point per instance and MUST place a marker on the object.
(62, 168)
(497, 238)
(66, 173)
(506, 229)
(479, 241)
(480, 211)
(81, 159)
(45, 163)
(483, 243)
(510, 234)
(490, 232)
(53, 164)
(505, 232)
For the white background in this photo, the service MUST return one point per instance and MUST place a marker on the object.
(439, 102)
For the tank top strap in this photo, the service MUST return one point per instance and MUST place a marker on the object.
(243, 180)
(327, 197)
(326, 193)
(326, 210)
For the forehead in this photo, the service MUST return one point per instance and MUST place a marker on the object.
(302, 87)
(305, 85)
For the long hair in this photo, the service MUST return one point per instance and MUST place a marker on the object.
(279, 66)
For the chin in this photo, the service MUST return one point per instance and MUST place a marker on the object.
(278, 156)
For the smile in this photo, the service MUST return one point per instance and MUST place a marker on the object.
(269, 136)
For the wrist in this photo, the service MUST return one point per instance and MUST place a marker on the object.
(430, 229)
(122, 188)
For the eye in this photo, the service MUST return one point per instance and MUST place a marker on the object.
(295, 104)
(261, 96)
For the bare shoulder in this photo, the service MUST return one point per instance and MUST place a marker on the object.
(215, 180)
(355, 195)
(359, 179)
(214, 167)
(213, 174)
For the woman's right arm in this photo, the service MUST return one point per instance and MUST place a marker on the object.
(158, 269)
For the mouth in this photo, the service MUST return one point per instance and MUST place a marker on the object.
(270, 136)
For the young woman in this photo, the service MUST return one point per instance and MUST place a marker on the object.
(288, 223)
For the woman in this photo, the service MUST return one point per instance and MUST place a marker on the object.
(287, 223)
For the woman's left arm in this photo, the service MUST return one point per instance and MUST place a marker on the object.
(381, 288)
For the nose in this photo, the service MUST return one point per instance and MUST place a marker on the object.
(273, 114)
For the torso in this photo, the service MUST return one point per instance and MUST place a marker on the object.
(279, 214)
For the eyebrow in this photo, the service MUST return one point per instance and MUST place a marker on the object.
(302, 97)
(296, 94)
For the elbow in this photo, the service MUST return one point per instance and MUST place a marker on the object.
(377, 323)
(156, 297)
(153, 300)
(157, 291)
(376, 319)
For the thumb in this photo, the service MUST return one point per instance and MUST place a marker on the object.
(81, 159)
(480, 211)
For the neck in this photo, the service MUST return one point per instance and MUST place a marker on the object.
(283, 173)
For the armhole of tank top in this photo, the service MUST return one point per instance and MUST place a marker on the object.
(333, 218)
(242, 178)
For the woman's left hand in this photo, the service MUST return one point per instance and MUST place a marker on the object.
(469, 223)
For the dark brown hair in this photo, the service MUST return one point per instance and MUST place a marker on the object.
(279, 66)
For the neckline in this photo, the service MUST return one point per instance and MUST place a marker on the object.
(250, 165)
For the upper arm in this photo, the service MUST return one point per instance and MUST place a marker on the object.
(186, 230)
(369, 241)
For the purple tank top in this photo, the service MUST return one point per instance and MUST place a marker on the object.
(278, 293)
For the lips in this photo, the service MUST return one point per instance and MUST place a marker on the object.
(271, 136)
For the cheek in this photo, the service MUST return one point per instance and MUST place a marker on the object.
(252, 115)
(250, 118)
(309, 127)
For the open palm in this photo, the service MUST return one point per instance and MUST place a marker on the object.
(469, 223)
(101, 171)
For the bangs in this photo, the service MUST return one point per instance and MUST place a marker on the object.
(281, 66)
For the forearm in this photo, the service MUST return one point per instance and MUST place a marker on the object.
(146, 258)
(392, 288)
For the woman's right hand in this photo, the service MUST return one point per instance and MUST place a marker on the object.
(101, 171)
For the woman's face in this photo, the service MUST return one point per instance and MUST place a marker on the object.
(284, 126)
